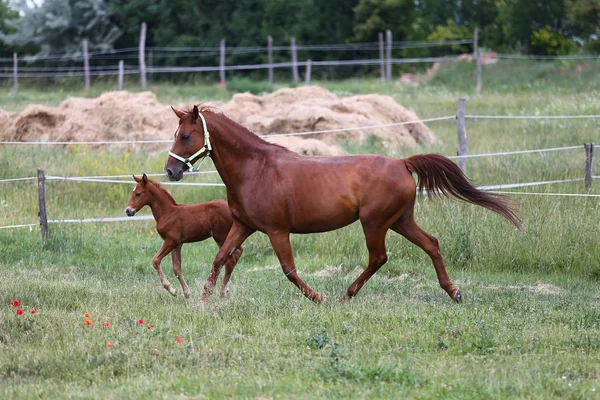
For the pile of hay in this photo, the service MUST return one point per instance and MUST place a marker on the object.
(139, 116)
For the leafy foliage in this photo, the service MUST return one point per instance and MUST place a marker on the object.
(59, 26)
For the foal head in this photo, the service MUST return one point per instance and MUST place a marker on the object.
(140, 197)
(188, 143)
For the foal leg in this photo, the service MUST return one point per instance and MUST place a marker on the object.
(176, 258)
(229, 266)
(165, 249)
(237, 234)
(283, 249)
(375, 238)
(407, 227)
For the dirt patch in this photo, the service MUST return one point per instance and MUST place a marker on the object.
(538, 288)
(329, 271)
(139, 116)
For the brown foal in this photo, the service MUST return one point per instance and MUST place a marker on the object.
(178, 224)
(276, 191)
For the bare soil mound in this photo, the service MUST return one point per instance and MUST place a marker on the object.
(139, 116)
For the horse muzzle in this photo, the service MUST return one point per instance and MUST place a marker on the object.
(130, 212)
(174, 172)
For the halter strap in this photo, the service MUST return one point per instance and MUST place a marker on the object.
(206, 149)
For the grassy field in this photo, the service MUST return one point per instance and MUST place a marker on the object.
(529, 326)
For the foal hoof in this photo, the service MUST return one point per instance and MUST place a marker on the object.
(345, 299)
(457, 296)
(187, 295)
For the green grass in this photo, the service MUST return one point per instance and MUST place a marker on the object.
(529, 326)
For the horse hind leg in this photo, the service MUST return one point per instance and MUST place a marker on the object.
(375, 239)
(176, 258)
(229, 267)
(407, 227)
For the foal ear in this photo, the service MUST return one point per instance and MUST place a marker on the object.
(195, 113)
(135, 178)
(179, 114)
(145, 180)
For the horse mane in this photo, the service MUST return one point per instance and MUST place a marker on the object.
(247, 133)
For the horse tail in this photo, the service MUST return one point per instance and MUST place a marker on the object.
(438, 175)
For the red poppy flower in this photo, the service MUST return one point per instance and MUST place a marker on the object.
(87, 315)
(15, 303)
(33, 311)
(88, 322)
(109, 345)
(20, 312)
(179, 340)
(106, 323)
(150, 326)
(141, 321)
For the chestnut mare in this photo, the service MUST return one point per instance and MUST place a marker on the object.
(178, 224)
(276, 191)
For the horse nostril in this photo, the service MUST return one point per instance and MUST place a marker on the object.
(169, 173)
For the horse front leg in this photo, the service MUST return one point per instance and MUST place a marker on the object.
(237, 234)
(283, 248)
(165, 249)
(229, 266)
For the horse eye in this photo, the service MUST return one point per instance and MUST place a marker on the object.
(184, 137)
(138, 194)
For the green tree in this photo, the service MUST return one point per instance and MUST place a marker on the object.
(59, 26)
(7, 14)
(583, 17)
(374, 16)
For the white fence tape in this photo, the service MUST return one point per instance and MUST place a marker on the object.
(18, 179)
(506, 153)
(532, 116)
(128, 182)
(549, 194)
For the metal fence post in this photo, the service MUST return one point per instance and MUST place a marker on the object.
(15, 75)
(270, 58)
(222, 62)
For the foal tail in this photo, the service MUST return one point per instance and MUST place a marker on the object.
(440, 176)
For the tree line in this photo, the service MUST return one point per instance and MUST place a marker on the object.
(548, 27)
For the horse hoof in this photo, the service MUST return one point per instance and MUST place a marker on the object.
(187, 295)
(457, 296)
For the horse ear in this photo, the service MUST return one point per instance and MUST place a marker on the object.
(179, 114)
(195, 113)
(135, 178)
(145, 180)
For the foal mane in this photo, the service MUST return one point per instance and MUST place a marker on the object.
(246, 134)
(162, 190)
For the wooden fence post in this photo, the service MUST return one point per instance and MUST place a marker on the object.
(222, 62)
(15, 75)
(308, 68)
(42, 201)
(86, 65)
(295, 75)
(142, 55)
(589, 165)
(150, 60)
(462, 134)
(381, 58)
(478, 71)
(388, 34)
(121, 73)
(270, 58)
(475, 42)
